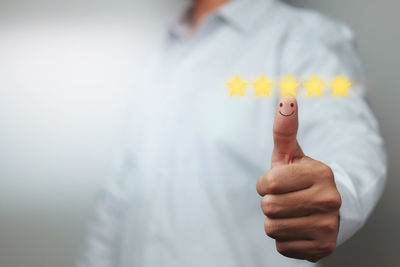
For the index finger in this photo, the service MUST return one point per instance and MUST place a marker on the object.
(285, 179)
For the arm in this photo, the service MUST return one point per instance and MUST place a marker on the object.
(316, 199)
(346, 132)
(104, 230)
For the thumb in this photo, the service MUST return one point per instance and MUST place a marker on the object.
(286, 123)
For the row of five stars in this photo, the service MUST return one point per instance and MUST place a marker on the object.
(289, 86)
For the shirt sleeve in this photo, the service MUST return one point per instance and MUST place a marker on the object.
(341, 132)
(103, 235)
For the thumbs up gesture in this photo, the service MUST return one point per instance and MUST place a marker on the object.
(299, 195)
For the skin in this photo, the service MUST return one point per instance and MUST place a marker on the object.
(299, 195)
(202, 8)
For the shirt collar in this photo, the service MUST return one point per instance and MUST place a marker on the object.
(241, 14)
(179, 22)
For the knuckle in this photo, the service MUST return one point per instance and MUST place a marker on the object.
(331, 201)
(321, 250)
(281, 248)
(325, 249)
(259, 185)
(270, 228)
(272, 183)
(328, 226)
(334, 201)
(326, 172)
(329, 248)
(268, 206)
(286, 250)
(264, 203)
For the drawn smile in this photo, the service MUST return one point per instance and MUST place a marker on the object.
(285, 114)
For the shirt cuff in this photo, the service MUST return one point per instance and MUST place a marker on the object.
(351, 216)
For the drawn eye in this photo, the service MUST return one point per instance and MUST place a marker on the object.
(291, 104)
(281, 105)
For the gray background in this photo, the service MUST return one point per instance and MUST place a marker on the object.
(65, 68)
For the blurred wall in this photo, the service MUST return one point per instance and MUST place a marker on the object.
(65, 69)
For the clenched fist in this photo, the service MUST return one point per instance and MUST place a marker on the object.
(299, 195)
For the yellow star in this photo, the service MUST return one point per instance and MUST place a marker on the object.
(340, 86)
(263, 86)
(314, 87)
(237, 87)
(289, 86)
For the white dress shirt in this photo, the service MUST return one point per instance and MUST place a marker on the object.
(185, 195)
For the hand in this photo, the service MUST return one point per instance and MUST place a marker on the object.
(300, 198)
